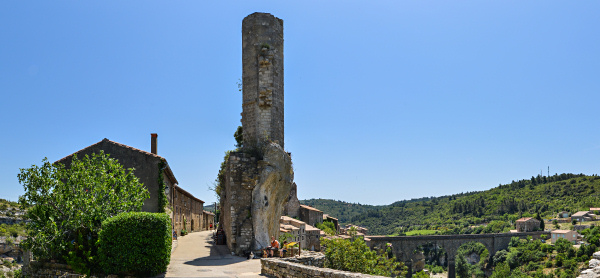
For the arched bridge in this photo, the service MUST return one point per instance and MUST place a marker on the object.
(404, 246)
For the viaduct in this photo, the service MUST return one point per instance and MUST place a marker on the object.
(403, 247)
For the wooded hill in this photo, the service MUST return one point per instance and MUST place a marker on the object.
(498, 207)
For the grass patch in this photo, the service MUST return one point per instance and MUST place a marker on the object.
(421, 232)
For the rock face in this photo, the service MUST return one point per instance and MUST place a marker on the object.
(271, 193)
(293, 205)
(594, 270)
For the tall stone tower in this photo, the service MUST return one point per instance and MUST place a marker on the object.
(262, 78)
(258, 178)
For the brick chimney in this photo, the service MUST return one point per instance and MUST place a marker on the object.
(153, 147)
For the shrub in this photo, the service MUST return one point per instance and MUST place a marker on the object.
(355, 256)
(66, 206)
(135, 242)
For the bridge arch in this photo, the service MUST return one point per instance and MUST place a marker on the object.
(403, 246)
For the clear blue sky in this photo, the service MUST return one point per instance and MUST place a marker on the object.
(384, 101)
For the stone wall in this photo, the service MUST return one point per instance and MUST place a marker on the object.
(54, 270)
(293, 205)
(310, 215)
(309, 265)
(241, 175)
(262, 78)
(187, 211)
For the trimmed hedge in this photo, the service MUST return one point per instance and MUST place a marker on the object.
(136, 243)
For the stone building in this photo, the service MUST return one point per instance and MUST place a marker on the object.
(566, 234)
(208, 219)
(187, 211)
(310, 215)
(582, 216)
(307, 235)
(527, 224)
(148, 167)
(258, 178)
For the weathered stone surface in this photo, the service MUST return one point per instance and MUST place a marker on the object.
(271, 193)
(262, 78)
(293, 205)
(309, 265)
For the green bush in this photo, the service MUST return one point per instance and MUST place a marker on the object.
(135, 243)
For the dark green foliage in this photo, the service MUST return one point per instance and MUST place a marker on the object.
(239, 137)
(462, 268)
(163, 202)
(355, 256)
(327, 226)
(66, 207)
(135, 242)
(468, 213)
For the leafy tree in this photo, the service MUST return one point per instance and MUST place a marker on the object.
(502, 270)
(66, 206)
(462, 267)
(239, 137)
(563, 245)
(355, 256)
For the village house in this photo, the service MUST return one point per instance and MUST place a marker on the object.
(310, 215)
(360, 231)
(566, 234)
(563, 214)
(187, 211)
(582, 216)
(527, 224)
(307, 235)
(208, 220)
(148, 168)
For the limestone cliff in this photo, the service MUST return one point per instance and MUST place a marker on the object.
(271, 193)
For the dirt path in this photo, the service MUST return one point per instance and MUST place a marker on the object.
(196, 255)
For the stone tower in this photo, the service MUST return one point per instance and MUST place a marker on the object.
(258, 178)
(262, 78)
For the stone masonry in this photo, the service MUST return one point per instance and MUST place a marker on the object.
(259, 177)
(262, 78)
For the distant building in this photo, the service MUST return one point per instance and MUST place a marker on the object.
(307, 235)
(208, 220)
(527, 224)
(582, 216)
(566, 234)
(310, 215)
(563, 214)
(360, 231)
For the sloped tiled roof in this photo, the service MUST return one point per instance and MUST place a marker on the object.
(168, 170)
(309, 208)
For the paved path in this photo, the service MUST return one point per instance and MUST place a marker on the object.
(196, 255)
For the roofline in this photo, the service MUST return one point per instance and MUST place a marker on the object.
(114, 143)
(188, 194)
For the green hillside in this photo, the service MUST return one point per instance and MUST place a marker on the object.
(498, 207)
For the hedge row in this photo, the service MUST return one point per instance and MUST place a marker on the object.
(137, 243)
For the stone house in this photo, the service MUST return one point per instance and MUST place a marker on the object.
(208, 218)
(527, 224)
(563, 214)
(566, 234)
(148, 167)
(187, 211)
(310, 215)
(582, 216)
(308, 236)
(360, 231)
